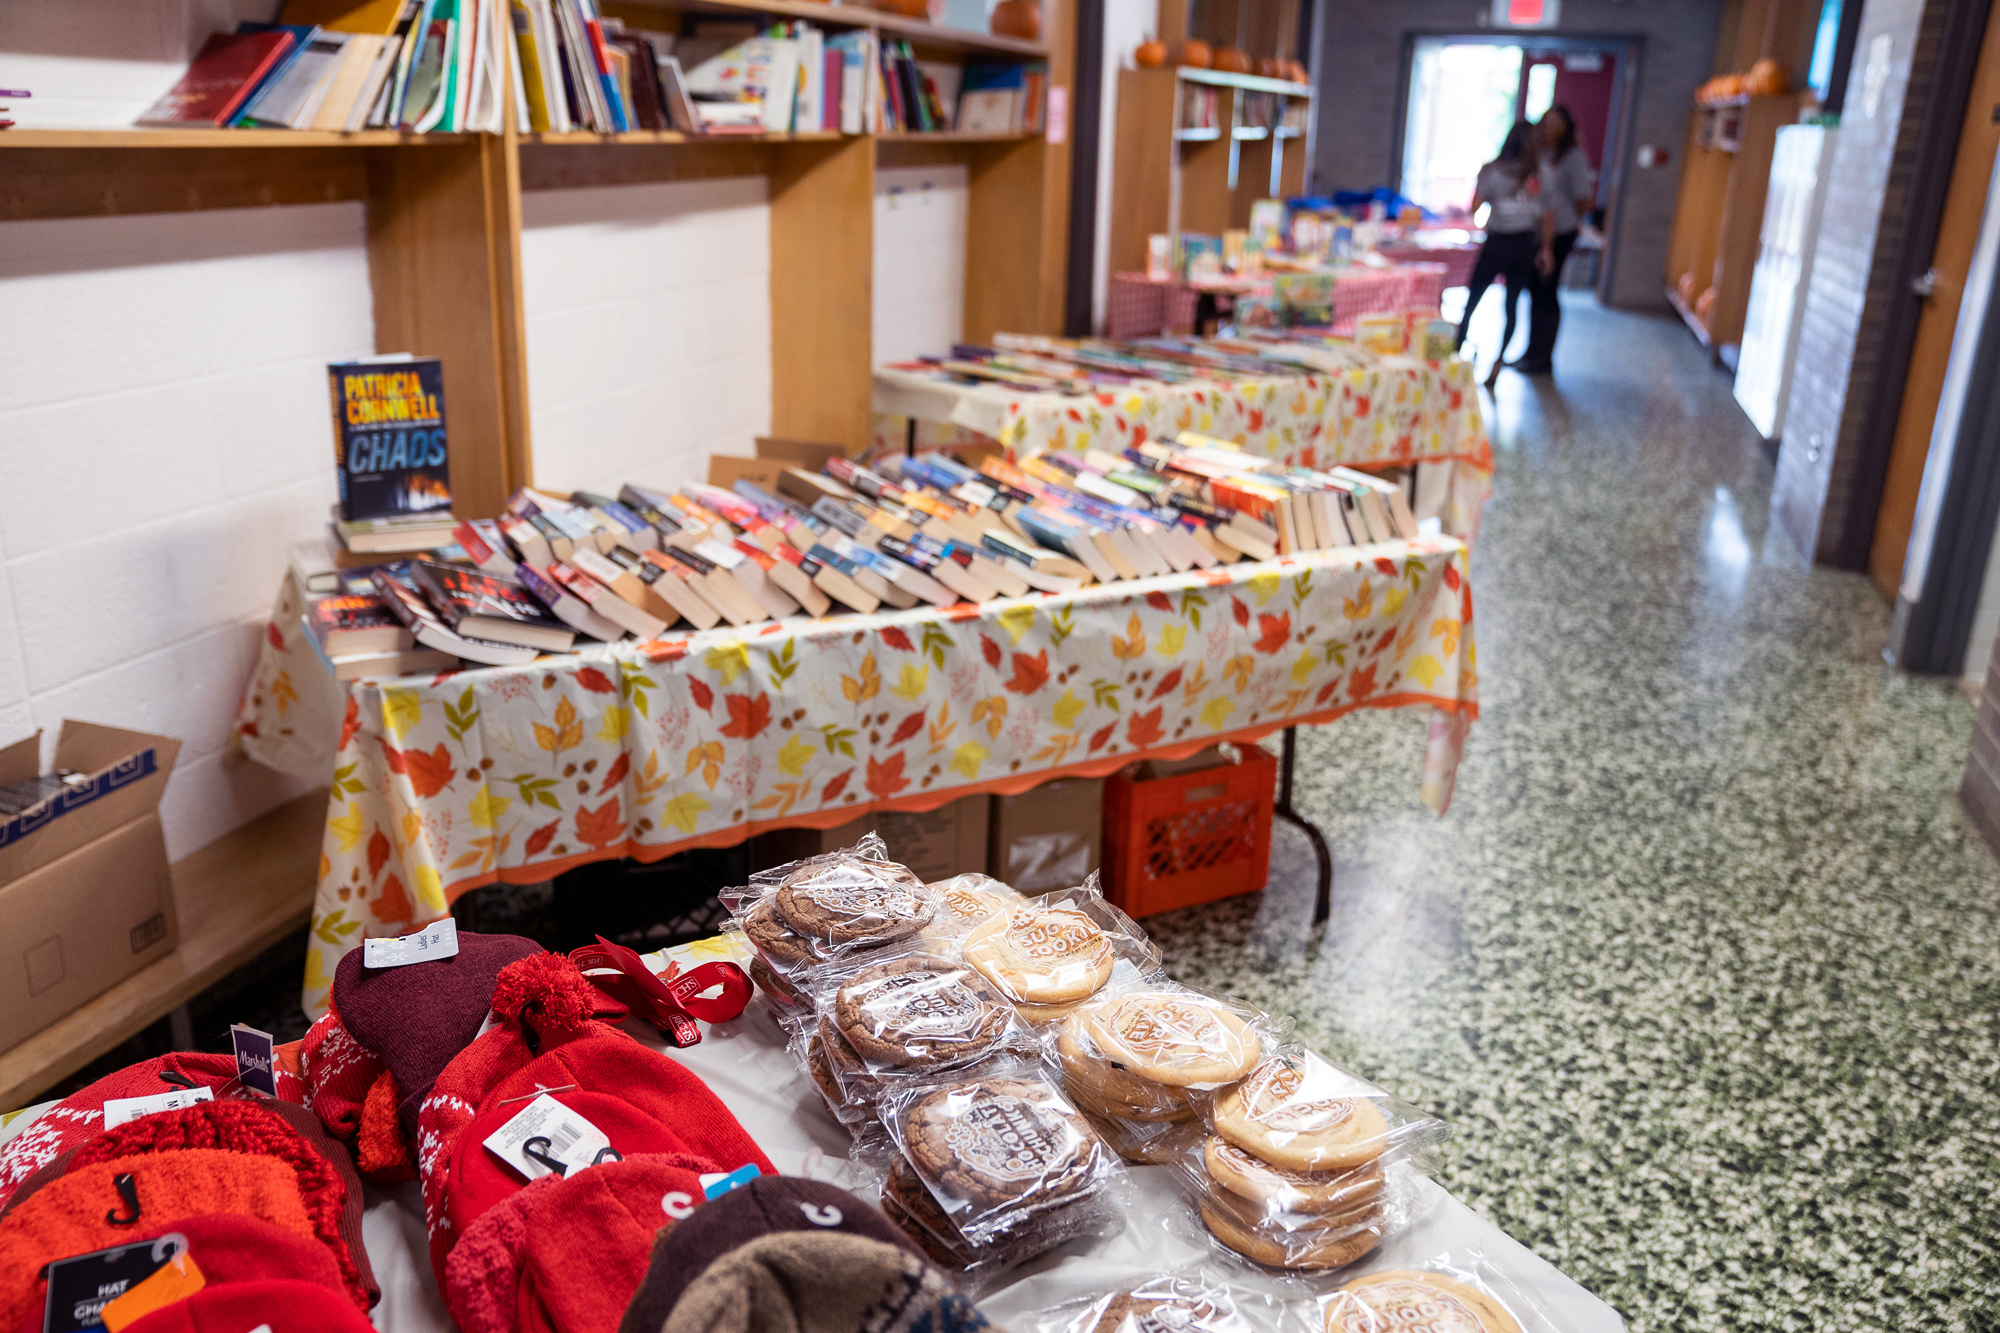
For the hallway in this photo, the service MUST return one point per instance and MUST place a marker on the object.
(1703, 965)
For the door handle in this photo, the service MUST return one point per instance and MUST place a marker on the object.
(1925, 284)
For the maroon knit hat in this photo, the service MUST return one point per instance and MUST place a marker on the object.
(765, 1205)
(282, 1306)
(417, 1018)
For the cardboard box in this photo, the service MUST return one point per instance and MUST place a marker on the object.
(86, 899)
(1048, 837)
(936, 844)
(808, 454)
(725, 471)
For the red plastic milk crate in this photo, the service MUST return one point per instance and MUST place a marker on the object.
(1190, 838)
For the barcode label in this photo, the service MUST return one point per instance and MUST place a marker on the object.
(437, 940)
(558, 1134)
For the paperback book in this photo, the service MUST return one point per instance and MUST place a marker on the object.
(389, 439)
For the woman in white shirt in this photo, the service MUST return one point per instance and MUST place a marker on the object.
(1570, 195)
(1517, 228)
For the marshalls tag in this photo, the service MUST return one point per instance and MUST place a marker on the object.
(253, 1059)
(437, 940)
(123, 1110)
(545, 1132)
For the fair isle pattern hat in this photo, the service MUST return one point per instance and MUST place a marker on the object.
(829, 1282)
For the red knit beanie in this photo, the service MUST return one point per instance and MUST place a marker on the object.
(417, 1018)
(81, 1114)
(228, 1248)
(281, 1306)
(326, 1181)
(565, 1253)
(337, 1072)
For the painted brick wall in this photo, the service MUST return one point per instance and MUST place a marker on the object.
(1846, 303)
(1359, 72)
(163, 442)
(920, 215)
(649, 329)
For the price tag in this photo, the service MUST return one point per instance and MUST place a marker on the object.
(715, 1184)
(557, 1133)
(253, 1059)
(437, 940)
(123, 1110)
(80, 1287)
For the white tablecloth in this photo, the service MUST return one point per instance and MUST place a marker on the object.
(746, 1064)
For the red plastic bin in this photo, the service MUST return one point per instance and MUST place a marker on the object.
(1190, 838)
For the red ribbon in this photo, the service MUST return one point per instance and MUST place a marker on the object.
(670, 1006)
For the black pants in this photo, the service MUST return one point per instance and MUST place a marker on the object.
(1545, 310)
(1510, 257)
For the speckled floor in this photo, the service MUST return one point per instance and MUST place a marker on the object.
(1704, 964)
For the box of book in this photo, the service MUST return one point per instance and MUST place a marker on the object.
(389, 440)
(85, 896)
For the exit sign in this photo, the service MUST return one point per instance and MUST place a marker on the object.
(1526, 13)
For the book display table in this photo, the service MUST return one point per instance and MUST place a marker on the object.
(441, 785)
(1139, 307)
(1356, 409)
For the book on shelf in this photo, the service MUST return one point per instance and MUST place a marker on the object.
(226, 71)
(291, 98)
(477, 605)
(389, 439)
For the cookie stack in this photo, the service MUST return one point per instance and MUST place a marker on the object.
(915, 1015)
(1138, 1059)
(994, 1171)
(1415, 1298)
(966, 902)
(1293, 1176)
(827, 904)
(1046, 958)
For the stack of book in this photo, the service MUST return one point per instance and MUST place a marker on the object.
(915, 531)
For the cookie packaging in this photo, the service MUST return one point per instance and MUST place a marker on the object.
(1459, 1291)
(1169, 1303)
(1052, 953)
(1145, 1051)
(1008, 1164)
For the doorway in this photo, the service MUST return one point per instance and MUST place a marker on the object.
(1463, 91)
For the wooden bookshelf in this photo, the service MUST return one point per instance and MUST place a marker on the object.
(234, 899)
(444, 228)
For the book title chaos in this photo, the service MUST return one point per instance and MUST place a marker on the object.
(398, 397)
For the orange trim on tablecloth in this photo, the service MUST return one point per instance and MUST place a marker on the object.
(925, 801)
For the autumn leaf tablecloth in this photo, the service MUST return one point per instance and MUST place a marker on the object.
(440, 785)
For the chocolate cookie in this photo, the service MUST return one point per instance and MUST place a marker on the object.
(1041, 955)
(1412, 1298)
(1144, 1144)
(1171, 1037)
(785, 947)
(905, 1189)
(1273, 1187)
(829, 1087)
(858, 1086)
(1163, 1311)
(1000, 1145)
(920, 1011)
(1290, 1113)
(1308, 1251)
(847, 898)
(773, 983)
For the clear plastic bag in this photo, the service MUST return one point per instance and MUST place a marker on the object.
(1145, 1050)
(1010, 1162)
(907, 1012)
(1299, 1112)
(1169, 1303)
(1459, 1291)
(964, 902)
(1377, 1202)
(1052, 953)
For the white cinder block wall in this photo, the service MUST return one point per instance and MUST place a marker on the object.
(649, 329)
(163, 442)
(920, 216)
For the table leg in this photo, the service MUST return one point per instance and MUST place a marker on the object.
(1323, 901)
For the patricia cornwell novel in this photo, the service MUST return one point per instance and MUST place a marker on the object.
(389, 438)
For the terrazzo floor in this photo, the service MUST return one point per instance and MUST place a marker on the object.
(1703, 965)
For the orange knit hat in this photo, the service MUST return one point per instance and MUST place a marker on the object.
(85, 1209)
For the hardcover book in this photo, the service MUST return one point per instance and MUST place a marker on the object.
(480, 606)
(389, 438)
(229, 68)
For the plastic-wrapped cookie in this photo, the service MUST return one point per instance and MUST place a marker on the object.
(784, 947)
(1281, 1224)
(842, 899)
(1313, 1249)
(921, 1010)
(1174, 1037)
(1275, 1189)
(909, 1204)
(1302, 1114)
(1164, 1305)
(858, 1085)
(1042, 955)
(999, 1146)
(966, 902)
(1412, 1298)
(1118, 1091)
(773, 983)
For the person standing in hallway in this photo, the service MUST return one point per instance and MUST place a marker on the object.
(1519, 230)
(1569, 194)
